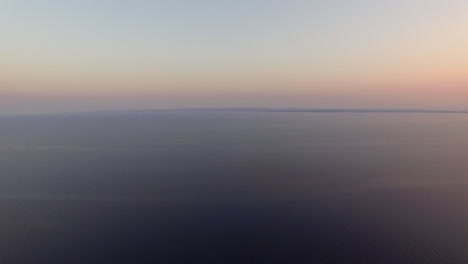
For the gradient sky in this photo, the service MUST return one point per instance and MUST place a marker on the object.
(78, 55)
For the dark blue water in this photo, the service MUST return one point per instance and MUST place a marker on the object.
(233, 187)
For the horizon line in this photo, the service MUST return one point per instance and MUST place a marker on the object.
(257, 109)
(285, 110)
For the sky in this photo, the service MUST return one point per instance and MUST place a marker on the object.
(84, 55)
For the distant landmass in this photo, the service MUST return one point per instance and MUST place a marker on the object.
(327, 110)
(297, 110)
(252, 109)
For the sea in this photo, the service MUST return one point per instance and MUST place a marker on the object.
(230, 187)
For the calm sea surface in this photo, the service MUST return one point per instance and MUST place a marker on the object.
(234, 187)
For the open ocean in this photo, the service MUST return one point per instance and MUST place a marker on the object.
(226, 187)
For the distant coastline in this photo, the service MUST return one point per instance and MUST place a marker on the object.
(251, 109)
(324, 110)
(295, 110)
